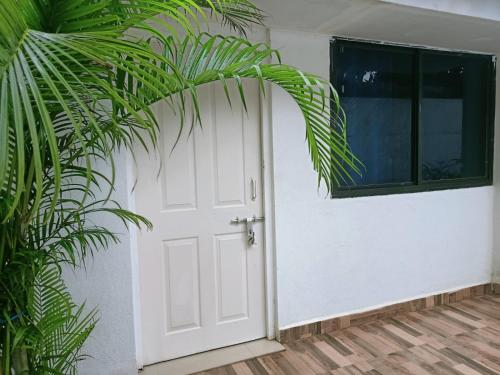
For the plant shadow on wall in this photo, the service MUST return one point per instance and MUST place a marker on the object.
(76, 85)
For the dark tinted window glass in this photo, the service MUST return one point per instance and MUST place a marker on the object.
(453, 116)
(376, 88)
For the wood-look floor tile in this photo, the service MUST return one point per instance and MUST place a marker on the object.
(466, 370)
(271, 366)
(333, 354)
(401, 336)
(459, 339)
(242, 368)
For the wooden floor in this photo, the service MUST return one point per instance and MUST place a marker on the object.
(462, 338)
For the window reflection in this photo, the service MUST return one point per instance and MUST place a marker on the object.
(453, 117)
(376, 94)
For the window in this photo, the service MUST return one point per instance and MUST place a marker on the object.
(419, 119)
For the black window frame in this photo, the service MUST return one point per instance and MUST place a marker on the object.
(418, 184)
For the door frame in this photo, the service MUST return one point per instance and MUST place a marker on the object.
(266, 151)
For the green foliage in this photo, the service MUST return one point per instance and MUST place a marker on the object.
(77, 79)
(50, 334)
(59, 327)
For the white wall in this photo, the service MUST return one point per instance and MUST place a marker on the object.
(343, 255)
(107, 284)
(488, 9)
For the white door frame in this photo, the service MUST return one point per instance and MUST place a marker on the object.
(266, 150)
(269, 213)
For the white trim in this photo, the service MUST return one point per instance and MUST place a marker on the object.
(215, 358)
(269, 209)
(379, 306)
(134, 257)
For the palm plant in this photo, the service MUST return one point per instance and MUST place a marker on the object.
(59, 327)
(77, 79)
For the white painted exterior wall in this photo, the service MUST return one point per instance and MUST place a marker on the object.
(344, 255)
(108, 283)
(333, 257)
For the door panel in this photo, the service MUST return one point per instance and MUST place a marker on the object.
(202, 285)
(182, 286)
(229, 152)
(178, 178)
(231, 272)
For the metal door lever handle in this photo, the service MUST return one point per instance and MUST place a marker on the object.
(249, 221)
(253, 219)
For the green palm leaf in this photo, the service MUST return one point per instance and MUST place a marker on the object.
(207, 59)
(59, 326)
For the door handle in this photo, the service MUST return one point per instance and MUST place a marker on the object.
(249, 221)
(253, 184)
(253, 219)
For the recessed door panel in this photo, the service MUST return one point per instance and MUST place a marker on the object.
(181, 281)
(178, 173)
(231, 274)
(229, 151)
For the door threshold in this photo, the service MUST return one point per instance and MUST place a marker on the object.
(214, 358)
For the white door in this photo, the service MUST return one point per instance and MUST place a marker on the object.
(202, 284)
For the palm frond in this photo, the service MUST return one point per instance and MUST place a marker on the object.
(208, 58)
(71, 16)
(59, 326)
(237, 14)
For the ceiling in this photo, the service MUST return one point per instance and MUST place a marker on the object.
(386, 21)
(488, 9)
